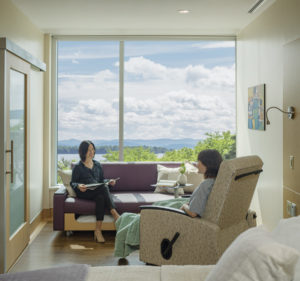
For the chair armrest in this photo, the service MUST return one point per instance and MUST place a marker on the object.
(59, 199)
(163, 208)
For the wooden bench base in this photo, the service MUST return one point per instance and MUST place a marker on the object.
(71, 224)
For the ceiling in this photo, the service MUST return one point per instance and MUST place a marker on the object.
(140, 17)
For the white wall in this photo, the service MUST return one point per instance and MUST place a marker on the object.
(16, 27)
(260, 60)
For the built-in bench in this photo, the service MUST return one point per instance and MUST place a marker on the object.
(135, 188)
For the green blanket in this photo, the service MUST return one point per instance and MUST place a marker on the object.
(128, 228)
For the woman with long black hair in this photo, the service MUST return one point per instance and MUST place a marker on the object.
(89, 171)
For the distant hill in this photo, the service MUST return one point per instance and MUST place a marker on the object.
(166, 143)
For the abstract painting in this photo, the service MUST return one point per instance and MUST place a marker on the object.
(256, 107)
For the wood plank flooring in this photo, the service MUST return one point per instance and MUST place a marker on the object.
(54, 248)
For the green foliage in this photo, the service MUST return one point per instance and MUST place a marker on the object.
(64, 164)
(182, 168)
(132, 154)
(223, 142)
(183, 154)
(102, 149)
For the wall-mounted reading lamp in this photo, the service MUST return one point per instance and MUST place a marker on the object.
(290, 112)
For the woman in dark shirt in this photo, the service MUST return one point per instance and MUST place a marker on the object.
(89, 171)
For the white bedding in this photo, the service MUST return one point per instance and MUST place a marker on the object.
(149, 273)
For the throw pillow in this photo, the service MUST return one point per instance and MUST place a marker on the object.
(193, 177)
(254, 255)
(165, 173)
(65, 176)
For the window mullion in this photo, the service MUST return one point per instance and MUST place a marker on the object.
(121, 101)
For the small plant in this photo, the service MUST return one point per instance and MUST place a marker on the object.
(182, 168)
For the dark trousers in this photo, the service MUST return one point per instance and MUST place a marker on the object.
(102, 198)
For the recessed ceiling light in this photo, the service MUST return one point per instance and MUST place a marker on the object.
(183, 11)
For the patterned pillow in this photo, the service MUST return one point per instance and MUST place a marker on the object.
(165, 173)
(193, 177)
(65, 176)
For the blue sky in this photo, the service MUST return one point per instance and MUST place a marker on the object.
(172, 89)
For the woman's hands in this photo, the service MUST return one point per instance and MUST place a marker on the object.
(112, 182)
(82, 187)
(183, 207)
(186, 208)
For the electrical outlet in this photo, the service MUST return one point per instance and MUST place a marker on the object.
(291, 208)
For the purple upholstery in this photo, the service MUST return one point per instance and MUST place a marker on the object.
(124, 201)
(133, 176)
(131, 191)
(58, 208)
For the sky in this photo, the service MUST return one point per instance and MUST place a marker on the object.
(172, 89)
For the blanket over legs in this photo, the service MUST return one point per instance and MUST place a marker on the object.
(128, 228)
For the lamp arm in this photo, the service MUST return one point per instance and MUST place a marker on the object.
(290, 112)
(278, 109)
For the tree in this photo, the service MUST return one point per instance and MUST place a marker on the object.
(183, 154)
(223, 142)
(132, 154)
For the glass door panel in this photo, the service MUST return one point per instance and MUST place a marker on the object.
(17, 137)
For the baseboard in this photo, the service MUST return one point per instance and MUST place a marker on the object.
(48, 214)
(44, 216)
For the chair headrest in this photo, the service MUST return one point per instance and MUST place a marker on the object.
(232, 193)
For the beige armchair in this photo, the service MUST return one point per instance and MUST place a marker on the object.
(169, 236)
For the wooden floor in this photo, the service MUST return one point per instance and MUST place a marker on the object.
(54, 248)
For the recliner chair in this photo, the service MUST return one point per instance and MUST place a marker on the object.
(169, 236)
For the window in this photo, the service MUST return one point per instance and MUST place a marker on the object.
(88, 97)
(179, 97)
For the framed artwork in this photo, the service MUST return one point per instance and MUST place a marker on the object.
(256, 107)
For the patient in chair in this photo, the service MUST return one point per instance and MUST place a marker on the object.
(209, 162)
(127, 236)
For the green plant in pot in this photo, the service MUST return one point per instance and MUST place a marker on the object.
(182, 179)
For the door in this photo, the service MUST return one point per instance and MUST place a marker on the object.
(17, 73)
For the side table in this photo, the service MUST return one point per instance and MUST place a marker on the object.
(176, 188)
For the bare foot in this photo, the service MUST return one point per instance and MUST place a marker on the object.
(98, 236)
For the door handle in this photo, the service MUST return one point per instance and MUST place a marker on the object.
(11, 151)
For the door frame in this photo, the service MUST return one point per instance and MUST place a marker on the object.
(9, 47)
(16, 243)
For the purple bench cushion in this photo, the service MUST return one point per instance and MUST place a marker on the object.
(133, 176)
(124, 201)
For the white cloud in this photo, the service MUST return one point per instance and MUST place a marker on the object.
(159, 101)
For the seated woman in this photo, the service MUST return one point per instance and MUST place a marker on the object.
(88, 171)
(209, 162)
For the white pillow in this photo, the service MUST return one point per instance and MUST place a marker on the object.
(254, 255)
(165, 173)
(193, 177)
(287, 232)
(66, 176)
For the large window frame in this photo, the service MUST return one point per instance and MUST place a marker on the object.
(121, 40)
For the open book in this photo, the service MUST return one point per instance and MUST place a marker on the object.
(166, 183)
(93, 186)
